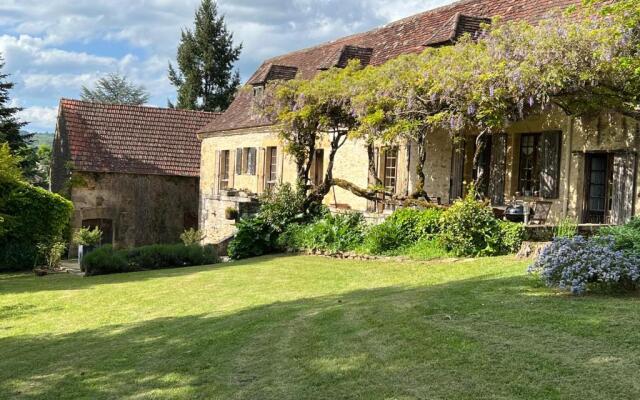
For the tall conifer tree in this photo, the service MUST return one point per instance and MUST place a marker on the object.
(206, 79)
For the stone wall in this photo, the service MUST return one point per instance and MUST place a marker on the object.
(144, 209)
(607, 133)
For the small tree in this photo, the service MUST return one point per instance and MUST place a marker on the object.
(115, 89)
(206, 80)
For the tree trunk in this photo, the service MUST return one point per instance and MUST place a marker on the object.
(481, 178)
(319, 192)
(420, 191)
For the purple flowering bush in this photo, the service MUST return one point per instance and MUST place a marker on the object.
(578, 264)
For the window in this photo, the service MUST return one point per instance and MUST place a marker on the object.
(246, 161)
(529, 170)
(390, 169)
(271, 174)
(224, 169)
(258, 91)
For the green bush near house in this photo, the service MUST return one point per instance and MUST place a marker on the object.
(402, 229)
(469, 228)
(254, 237)
(511, 236)
(28, 216)
(626, 237)
(333, 233)
(107, 260)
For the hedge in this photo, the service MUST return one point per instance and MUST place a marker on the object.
(28, 216)
(107, 260)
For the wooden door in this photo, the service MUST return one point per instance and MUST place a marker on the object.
(623, 190)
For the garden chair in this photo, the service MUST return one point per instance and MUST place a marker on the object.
(540, 212)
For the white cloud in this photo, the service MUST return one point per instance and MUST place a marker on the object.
(52, 48)
(40, 116)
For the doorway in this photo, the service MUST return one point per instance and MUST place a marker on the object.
(598, 185)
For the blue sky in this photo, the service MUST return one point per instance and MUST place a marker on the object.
(52, 48)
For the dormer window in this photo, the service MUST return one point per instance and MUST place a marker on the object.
(258, 91)
(342, 56)
(272, 72)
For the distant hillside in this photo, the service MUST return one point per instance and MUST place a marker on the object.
(41, 138)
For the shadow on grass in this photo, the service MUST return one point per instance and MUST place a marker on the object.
(27, 283)
(478, 338)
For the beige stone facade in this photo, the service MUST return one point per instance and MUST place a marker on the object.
(608, 137)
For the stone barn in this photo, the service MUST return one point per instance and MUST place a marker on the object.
(132, 171)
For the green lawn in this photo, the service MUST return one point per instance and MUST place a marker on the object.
(307, 328)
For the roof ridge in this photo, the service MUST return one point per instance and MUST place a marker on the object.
(377, 29)
(133, 106)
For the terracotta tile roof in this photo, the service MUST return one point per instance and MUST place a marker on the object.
(132, 139)
(272, 72)
(408, 35)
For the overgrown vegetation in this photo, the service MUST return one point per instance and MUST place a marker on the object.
(192, 236)
(107, 260)
(87, 236)
(466, 229)
(29, 216)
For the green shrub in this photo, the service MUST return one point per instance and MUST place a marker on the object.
(511, 236)
(469, 228)
(293, 237)
(106, 260)
(192, 236)
(625, 237)
(281, 206)
(88, 237)
(384, 238)
(28, 216)
(254, 237)
(334, 233)
(417, 223)
(567, 228)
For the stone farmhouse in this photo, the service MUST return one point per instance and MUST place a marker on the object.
(563, 167)
(132, 171)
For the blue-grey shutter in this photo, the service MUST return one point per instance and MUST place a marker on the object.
(550, 164)
(238, 161)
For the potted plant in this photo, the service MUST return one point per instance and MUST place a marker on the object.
(87, 241)
(231, 213)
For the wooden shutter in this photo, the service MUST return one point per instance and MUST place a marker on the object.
(550, 164)
(251, 162)
(261, 162)
(457, 170)
(216, 172)
(624, 172)
(498, 167)
(238, 161)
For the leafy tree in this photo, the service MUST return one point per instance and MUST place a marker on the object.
(9, 164)
(19, 143)
(206, 80)
(115, 89)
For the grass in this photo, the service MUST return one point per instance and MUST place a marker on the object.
(307, 328)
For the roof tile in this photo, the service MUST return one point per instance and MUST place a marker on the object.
(133, 139)
(409, 35)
